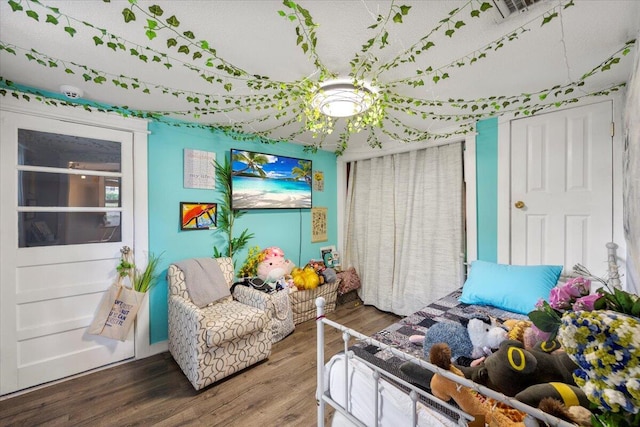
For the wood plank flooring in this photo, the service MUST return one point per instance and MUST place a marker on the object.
(279, 391)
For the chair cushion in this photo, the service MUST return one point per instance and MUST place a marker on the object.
(231, 320)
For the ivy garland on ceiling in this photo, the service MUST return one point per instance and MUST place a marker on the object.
(290, 102)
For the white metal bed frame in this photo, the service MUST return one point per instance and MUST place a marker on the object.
(324, 398)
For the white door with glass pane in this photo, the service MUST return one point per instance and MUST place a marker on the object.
(561, 187)
(66, 193)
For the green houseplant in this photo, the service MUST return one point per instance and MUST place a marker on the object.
(141, 280)
(227, 216)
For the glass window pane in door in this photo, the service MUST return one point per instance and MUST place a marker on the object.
(66, 151)
(83, 179)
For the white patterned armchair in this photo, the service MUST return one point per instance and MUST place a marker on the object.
(217, 340)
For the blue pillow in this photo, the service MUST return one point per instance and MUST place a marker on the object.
(514, 288)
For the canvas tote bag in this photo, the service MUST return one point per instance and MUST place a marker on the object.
(116, 312)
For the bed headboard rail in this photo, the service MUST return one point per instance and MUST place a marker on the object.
(612, 261)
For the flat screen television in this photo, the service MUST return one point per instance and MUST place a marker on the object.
(268, 181)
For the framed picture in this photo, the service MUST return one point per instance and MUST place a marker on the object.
(199, 169)
(330, 256)
(318, 181)
(198, 216)
(318, 225)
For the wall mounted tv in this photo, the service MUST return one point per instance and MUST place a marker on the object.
(268, 181)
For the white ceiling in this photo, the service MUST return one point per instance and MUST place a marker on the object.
(252, 36)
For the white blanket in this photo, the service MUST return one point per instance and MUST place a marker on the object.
(395, 407)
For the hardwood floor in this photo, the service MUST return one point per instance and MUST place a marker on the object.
(279, 391)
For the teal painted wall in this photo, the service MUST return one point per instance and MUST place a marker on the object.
(486, 188)
(289, 229)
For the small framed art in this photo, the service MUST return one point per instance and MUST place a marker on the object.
(198, 216)
(318, 225)
(199, 170)
(318, 181)
(330, 256)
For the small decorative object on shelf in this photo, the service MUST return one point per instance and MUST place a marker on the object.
(330, 256)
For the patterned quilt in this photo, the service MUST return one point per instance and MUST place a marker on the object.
(447, 308)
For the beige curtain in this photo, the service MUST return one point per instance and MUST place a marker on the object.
(404, 227)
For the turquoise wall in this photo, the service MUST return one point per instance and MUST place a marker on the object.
(289, 229)
(486, 189)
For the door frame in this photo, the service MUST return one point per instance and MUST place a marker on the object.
(139, 131)
(504, 181)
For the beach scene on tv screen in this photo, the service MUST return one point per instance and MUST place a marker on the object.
(266, 181)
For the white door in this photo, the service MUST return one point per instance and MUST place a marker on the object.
(67, 209)
(561, 187)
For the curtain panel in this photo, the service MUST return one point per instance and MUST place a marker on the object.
(404, 227)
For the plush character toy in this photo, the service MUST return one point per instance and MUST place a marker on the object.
(528, 375)
(273, 266)
(475, 340)
(492, 412)
(516, 329)
(326, 275)
(551, 398)
(485, 337)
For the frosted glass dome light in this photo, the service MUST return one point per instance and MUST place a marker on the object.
(343, 98)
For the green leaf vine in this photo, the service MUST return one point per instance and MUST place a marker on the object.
(290, 102)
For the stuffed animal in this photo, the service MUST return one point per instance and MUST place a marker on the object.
(488, 410)
(564, 396)
(306, 278)
(484, 336)
(516, 329)
(326, 275)
(273, 265)
(475, 340)
(528, 375)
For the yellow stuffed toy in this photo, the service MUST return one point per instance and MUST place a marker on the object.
(516, 328)
(306, 278)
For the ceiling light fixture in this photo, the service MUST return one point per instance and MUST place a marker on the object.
(343, 98)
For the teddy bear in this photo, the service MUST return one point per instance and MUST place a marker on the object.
(474, 341)
(273, 265)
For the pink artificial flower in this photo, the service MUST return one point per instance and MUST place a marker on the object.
(586, 303)
(538, 334)
(578, 287)
(559, 298)
(540, 304)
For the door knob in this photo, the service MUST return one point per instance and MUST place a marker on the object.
(519, 204)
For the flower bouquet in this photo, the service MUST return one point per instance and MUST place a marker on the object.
(601, 334)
